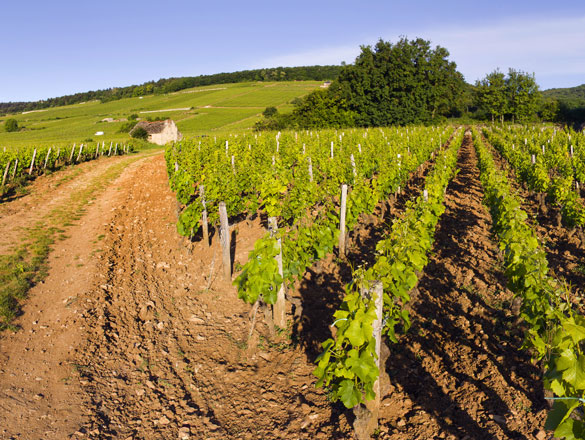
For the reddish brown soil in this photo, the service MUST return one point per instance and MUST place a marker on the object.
(168, 354)
(39, 394)
(137, 336)
(459, 372)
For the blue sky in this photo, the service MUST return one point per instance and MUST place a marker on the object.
(62, 47)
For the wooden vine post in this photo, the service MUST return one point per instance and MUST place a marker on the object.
(15, 168)
(224, 237)
(47, 158)
(204, 225)
(279, 308)
(32, 162)
(366, 415)
(110, 150)
(177, 203)
(310, 170)
(80, 152)
(5, 173)
(342, 220)
(72, 153)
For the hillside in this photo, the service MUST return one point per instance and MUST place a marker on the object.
(199, 110)
(169, 85)
(571, 103)
(567, 94)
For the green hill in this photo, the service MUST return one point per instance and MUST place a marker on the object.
(567, 94)
(200, 110)
(571, 103)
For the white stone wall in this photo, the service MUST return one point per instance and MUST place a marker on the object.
(169, 134)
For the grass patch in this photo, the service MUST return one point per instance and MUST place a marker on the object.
(21, 270)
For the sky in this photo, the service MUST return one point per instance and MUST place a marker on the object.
(61, 47)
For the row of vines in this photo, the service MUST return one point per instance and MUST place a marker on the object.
(25, 163)
(311, 186)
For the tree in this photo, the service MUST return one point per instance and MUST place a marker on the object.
(402, 83)
(269, 112)
(127, 127)
(523, 95)
(320, 109)
(11, 125)
(491, 94)
(548, 109)
(515, 95)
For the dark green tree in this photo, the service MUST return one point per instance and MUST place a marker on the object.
(491, 94)
(523, 95)
(11, 125)
(548, 109)
(320, 109)
(402, 83)
(269, 112)
(515, 96)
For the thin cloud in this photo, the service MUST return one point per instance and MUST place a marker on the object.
(552, 49)
(547, 48)
(320, 56)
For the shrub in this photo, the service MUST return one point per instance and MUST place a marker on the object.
(269, 112)
(139, 133)
(11, 125)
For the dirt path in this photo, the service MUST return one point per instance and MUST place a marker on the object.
(459, 373)
(43, 195)
(39, 396)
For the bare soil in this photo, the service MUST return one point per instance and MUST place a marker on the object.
(459, 372)
(136, 335)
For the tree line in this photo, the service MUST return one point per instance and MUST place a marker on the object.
(410, 82)
(168, 85)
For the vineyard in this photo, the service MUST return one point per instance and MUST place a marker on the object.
(391, 283)
(21, 164)
(314, 190)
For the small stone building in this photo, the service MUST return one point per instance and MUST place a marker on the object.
(160, 132)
